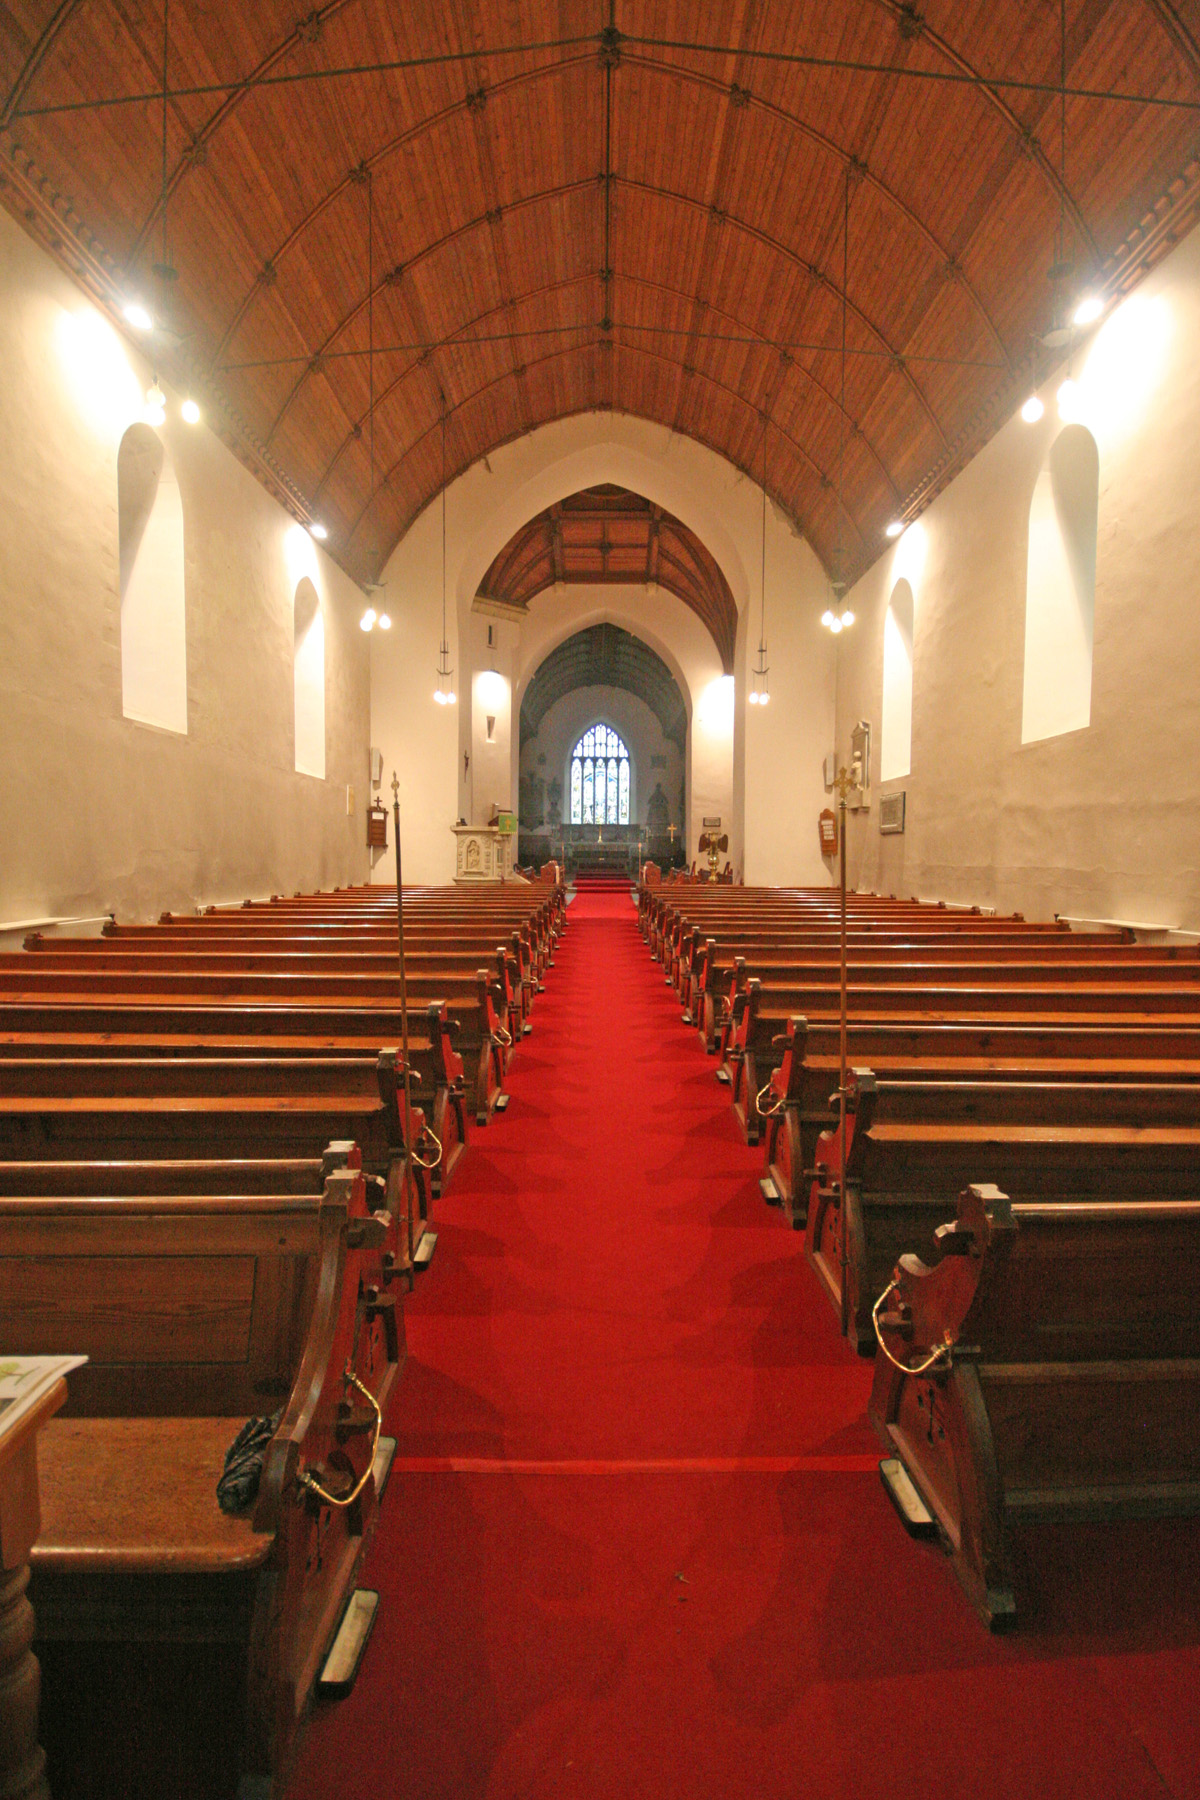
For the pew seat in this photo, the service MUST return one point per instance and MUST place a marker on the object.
(198, 1310)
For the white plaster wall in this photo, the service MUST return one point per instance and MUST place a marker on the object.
(419, 739)
(1105, 821)
(783, 743)
(98, 812)
(763, 782)
(635, 723)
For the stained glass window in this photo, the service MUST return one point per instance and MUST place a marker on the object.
(600, 778)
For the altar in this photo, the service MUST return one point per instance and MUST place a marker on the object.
(602, 849)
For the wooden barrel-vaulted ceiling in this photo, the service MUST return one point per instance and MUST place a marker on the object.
(613, 204)
(604, 536)
(605, 656)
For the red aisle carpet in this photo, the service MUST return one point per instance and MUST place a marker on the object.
(634, 1542)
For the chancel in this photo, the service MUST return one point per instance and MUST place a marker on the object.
(599, 937)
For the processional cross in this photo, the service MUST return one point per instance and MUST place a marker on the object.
(844, 783)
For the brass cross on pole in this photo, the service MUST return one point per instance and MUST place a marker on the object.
(409, 1147)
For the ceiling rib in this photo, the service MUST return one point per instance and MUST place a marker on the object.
(665, 71)
(37, 56)
(550, 194)
(1137, 72)
(388, 477)
(584, 277)
(606, 656)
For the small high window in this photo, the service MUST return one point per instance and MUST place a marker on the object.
(153, 617)
(308, 670)
(895, 756)
(600, 779)
(1060, 589)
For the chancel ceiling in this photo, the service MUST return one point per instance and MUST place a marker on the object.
(605, 656)
(814, 237)
(605, 535)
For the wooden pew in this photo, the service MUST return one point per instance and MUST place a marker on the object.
(145, 1108)
(70, 1031)
(800, 1102)
(908, 1148)
(757, 1031)
(714, 979)
(476, 1008)
(198, 1310)
(1047, 1366)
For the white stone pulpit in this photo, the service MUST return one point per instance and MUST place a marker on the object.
(484, 853)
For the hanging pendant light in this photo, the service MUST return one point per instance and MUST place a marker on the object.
(838, 617)
(444, 695)
(759, 694)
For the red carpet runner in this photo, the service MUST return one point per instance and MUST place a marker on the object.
(634, 1542)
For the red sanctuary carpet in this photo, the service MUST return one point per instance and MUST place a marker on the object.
(634, 1542)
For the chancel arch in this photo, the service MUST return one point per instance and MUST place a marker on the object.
(153, 606)
(602, 716)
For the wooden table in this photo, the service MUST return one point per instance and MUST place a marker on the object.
(22, 1760)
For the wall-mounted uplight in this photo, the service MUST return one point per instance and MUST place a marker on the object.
(1032, 410)
(137, 315)
(318, 531)
(894, 529)
(367, 622)
(190, 412)
(1088, 310)
(156, 406)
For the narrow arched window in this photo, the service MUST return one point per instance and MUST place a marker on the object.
(308, 672)
(895, 756)
(153, 618)
(1060, 589)
(600, 779)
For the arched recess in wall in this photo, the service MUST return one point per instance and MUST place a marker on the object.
(308, 671)
(895, 756)
(1060, 589)
(153, 616)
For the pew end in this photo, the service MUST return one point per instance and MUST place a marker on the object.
(1046, 1367)
(197, 1311)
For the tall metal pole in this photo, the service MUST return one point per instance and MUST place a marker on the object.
(843, 786)
(409, 1147)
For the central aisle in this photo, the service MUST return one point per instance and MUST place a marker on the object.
(634, 1542)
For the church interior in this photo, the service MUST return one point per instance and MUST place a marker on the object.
(600, 999)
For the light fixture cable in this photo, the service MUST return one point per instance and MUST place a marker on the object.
(445, 688)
